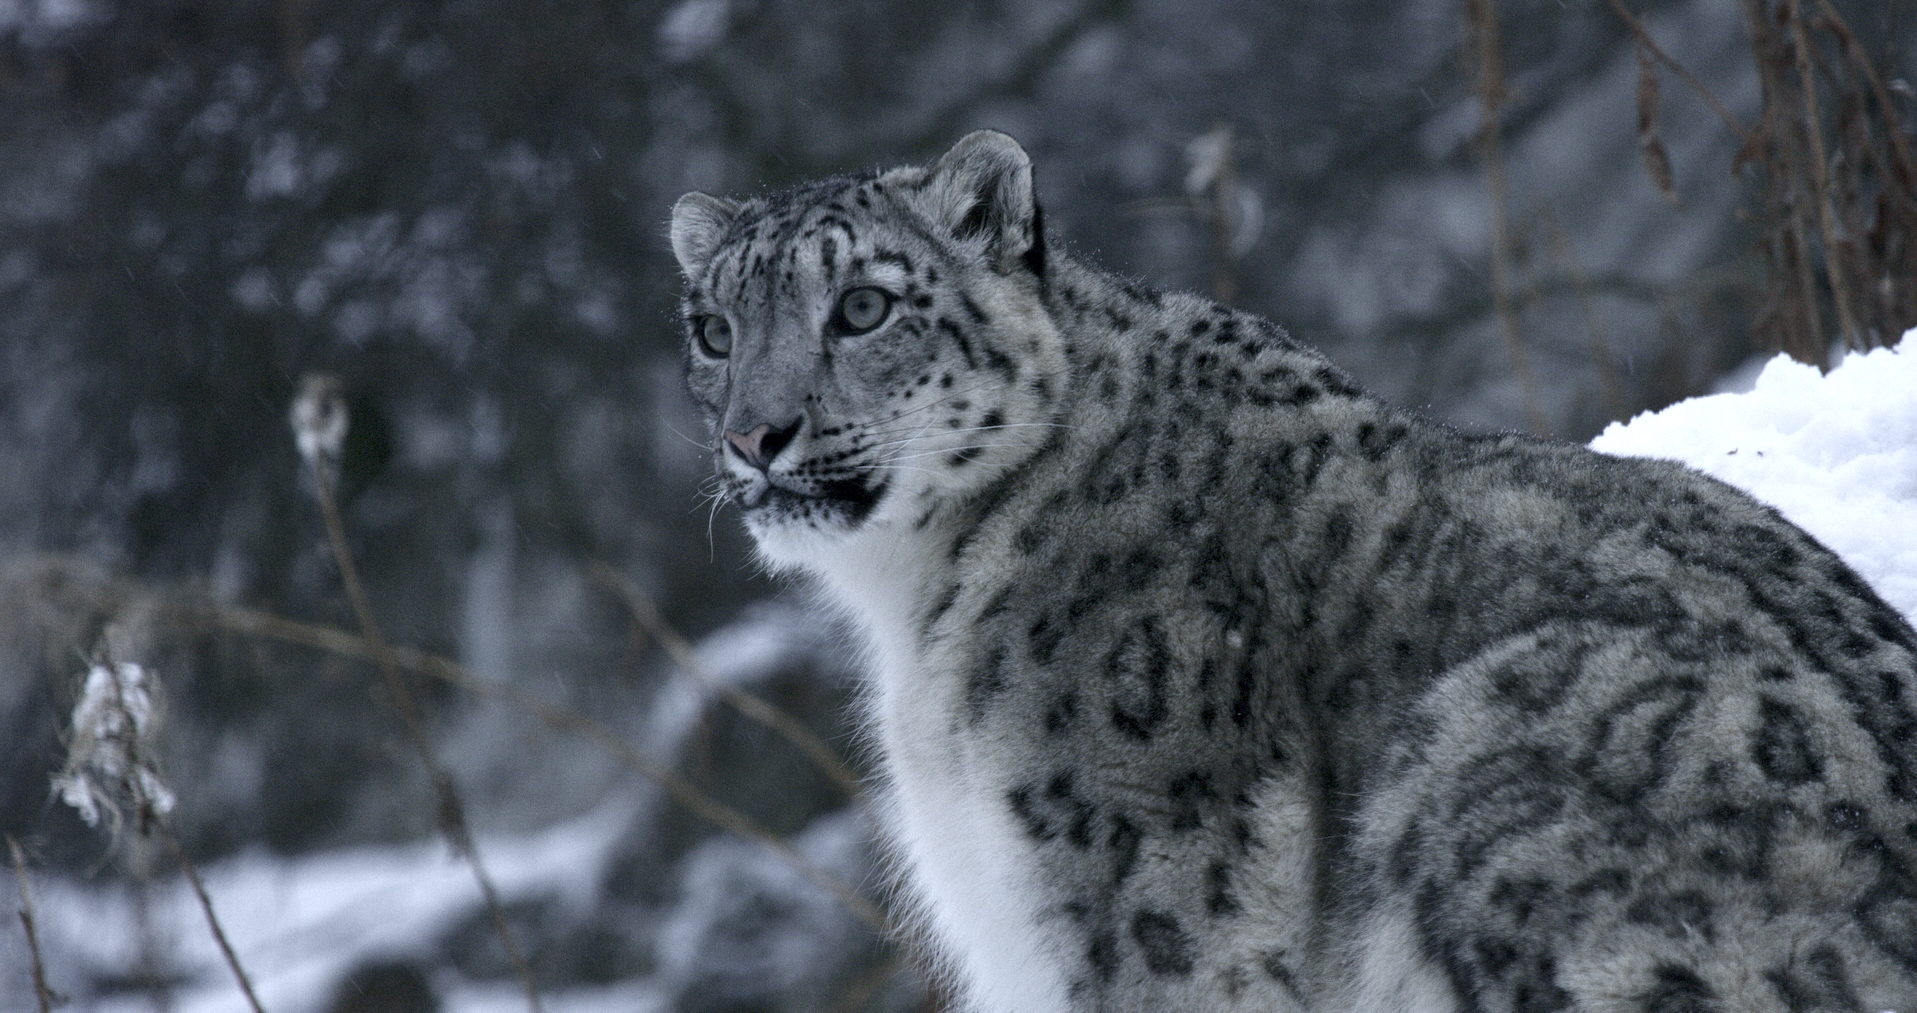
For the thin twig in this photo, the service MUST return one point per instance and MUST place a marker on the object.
(40, 990)
(1791, 311)
(1820, 182)
(744, 701)
(1900, 148)
(1491, 95)
(1600, 348)
(206, 906)
(452, 813)
(337, 641)
(1644, 38)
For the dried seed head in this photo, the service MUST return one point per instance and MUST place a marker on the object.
(111, 756)
(319, 419)
(1208, 159)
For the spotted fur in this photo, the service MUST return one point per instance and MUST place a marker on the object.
(1204, 680)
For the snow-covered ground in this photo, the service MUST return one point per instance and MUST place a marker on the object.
(1837, 453)
(300, 924)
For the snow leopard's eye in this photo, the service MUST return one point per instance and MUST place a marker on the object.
(863, 309)
(715, 335)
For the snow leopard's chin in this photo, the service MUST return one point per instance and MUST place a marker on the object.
(793, 529)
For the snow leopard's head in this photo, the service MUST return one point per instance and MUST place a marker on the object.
(868, 348)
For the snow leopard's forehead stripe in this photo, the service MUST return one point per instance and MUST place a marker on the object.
(774, 224)
(816, 228)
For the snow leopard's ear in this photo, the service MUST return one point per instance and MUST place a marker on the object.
(699, 221)
(982, 189)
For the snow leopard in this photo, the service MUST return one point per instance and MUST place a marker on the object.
(1200, 678)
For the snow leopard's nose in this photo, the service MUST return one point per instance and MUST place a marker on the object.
(762, 443)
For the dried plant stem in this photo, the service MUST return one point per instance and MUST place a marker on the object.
(1484, 24)
(1900, 151)
(1647, 42)
(41, 992)
(1608, 380)
(337, 641)
(1224, 285)
(452, 813)
(1820, 181)
(745, 702)
(206, 907)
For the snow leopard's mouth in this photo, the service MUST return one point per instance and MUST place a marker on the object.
(846, 501)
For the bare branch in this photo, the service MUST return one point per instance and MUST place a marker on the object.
(744, 701)
(1645, 40)
(262, 624)
(212, 920)
(41, 992)
(1820, 182)
(1656, 160)
(1483, 22)
(452, 813)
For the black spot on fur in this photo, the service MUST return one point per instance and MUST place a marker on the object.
(986, 682)
(1633, 748)
(1138, 669)
(944, 605)
(1782, 747)
(1189, 793)
(1247, 689)
(1103, 955)
(1135, 572)
(1521, 898)
(1334, 382)
(1815, 983)
(1536, 989)
(1510, 793)
(1042, 639)
(1166, 947)
(958, 336)
(1273, 964)
(1218, 898)
(1078, 813)
(1889, 918)
(1020, 799)
(1063, 713)
(1123, 842)
(1679, 990)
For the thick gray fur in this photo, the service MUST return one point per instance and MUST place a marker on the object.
(1204, 680)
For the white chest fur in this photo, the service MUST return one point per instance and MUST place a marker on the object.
(972, 869)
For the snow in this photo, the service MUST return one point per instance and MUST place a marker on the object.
(1836, 453)
(299, 924)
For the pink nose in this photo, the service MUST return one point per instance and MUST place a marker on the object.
(759, 445)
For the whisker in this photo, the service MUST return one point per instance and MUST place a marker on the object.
(942, 453)
(709, 446)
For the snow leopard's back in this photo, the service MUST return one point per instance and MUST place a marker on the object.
(1206, 681)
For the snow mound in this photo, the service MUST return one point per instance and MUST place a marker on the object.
(1835, 453)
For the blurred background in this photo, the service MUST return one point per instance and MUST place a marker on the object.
(457, 209)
